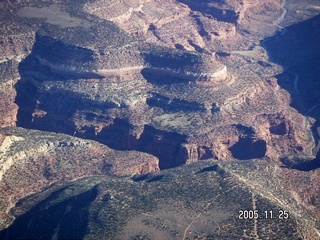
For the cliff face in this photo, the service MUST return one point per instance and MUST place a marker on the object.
(14, 47)
(113, 88)
(206, 26)
(162, 86)
(169, 93)
(32, 160)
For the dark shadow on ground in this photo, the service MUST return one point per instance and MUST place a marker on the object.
(248, 148)
(302, 164)
(297, 50)
(58, 106)
(219, 13)
(155, 178)
(65, 220)
(213, 168)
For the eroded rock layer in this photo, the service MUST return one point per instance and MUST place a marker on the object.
(163, 84)
(32, 160)
(115, 88)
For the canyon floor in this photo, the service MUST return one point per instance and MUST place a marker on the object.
(150, 119)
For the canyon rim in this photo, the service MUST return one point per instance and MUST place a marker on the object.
(150, 119)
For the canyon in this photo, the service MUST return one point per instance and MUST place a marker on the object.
(98, 96)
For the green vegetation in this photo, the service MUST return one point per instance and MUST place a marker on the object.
(201, 200)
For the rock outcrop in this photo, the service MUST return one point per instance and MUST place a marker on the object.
(170, 91)
(32, 160)
(163, 204)
(157, 87)
(15, 45)
(113, 88)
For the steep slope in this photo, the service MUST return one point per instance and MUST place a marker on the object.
(177, 105)
(163, 206)
(163, 84)
(31, 160)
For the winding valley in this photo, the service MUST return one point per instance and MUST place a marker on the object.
(159, 119)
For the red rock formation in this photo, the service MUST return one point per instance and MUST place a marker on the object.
(32, 160)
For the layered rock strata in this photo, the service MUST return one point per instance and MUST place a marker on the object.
(32, 160)
(181, 84)
(100, 85)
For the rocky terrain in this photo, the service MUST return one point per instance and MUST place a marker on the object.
(161, 206)
(131, 91)
(32, 160)
(95, 92)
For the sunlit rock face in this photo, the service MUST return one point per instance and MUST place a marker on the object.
(138, 86)
(115, 94)
(32, 160)
(79, 79)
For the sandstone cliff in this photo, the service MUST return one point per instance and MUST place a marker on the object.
(32, 160)
(99, 85)
(162, 86)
